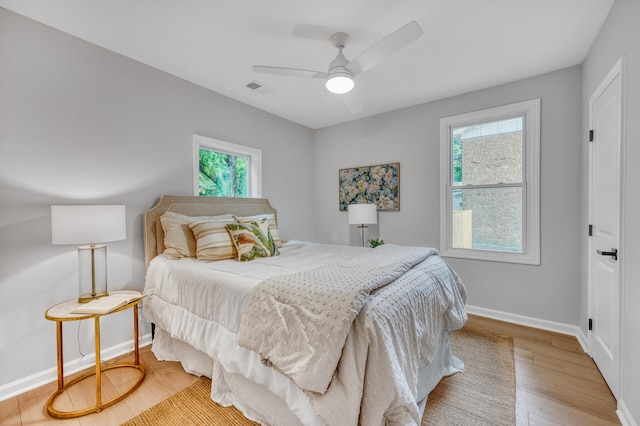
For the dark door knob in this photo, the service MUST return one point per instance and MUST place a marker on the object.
(613, 253)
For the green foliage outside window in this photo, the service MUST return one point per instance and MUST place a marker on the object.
(222, 175)
(457, 159)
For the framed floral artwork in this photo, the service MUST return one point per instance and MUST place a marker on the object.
(378, 185)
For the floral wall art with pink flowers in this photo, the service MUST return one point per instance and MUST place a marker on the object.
(379, 185)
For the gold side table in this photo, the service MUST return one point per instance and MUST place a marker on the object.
(61, 313)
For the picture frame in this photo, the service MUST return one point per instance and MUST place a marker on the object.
(379, 185)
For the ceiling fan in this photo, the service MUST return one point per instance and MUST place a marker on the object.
(340, 75)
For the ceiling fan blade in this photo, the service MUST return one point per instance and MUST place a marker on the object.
(386, 47)
(352, 101)
(289, 71)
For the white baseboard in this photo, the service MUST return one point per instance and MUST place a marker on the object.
(557, 327)
(623, 414)
(41, 378)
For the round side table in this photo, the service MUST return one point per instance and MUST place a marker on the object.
(61, 313)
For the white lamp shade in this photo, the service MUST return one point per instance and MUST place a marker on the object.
(362, 214)
(87, 224)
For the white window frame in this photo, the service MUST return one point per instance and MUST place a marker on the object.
(254, 168)
(530, 110)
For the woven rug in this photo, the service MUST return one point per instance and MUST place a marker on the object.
(484, 394)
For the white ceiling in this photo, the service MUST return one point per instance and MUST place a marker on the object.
(467, 45)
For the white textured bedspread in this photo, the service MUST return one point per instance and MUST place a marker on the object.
(298, 322)
(378, 317)
(395, 335)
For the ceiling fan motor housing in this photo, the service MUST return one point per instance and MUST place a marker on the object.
(339, 78)
(339, 64)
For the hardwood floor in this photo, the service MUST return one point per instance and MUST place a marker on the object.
(162, 379)
(556, 384)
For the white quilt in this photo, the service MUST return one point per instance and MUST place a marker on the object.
(397, 331)
(298, 322)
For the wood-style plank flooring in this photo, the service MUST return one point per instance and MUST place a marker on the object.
(556, 384)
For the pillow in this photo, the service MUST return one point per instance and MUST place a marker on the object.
(251, 242)
(273, 226)
(213, 240)
(179, 240)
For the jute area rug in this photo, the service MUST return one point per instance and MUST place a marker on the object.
(484, 394)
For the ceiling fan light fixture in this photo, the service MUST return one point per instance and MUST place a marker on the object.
(340, 77)
(340, 82)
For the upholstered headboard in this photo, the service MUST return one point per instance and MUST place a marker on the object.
(191, 205)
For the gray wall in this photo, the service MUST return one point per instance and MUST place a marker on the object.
(80, 124)
(619, 36)
(411, 136)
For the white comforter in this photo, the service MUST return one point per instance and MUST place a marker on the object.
(299, 322)
(394, 335)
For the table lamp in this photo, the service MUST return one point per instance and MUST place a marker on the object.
(89, 224)
(362, 215)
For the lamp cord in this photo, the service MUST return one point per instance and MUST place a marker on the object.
(82, 354)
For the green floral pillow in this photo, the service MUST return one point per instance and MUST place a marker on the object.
(271, 221)
(251, 241)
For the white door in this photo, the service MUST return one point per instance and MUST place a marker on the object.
(606, 117)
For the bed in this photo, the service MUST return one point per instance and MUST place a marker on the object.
(310, 334)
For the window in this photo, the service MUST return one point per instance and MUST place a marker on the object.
(490, 184)
(224, 169)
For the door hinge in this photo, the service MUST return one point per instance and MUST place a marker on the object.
(590, 324)
(590, 135)
(591, 230)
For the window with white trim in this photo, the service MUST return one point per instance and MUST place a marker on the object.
(224, 169)
(490, 184)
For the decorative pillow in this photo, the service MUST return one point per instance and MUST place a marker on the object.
(273, 226)
(251, 242)
(179, 240)
(212, 240)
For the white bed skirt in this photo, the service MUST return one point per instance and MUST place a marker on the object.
(273, 399)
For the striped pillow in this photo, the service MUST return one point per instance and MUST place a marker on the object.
(213, 240)
(179, 240)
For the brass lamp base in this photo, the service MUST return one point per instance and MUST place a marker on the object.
(93, 272)
(89, 297)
